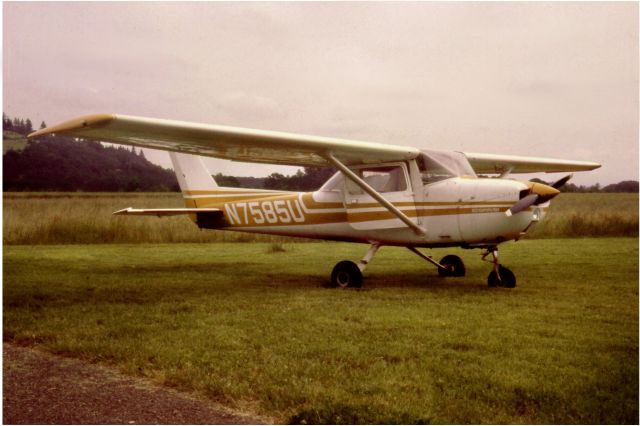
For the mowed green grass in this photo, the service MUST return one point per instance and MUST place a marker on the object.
(85, 218)
(255, 328)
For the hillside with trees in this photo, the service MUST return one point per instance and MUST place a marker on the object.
(56, 163)
(61, 164)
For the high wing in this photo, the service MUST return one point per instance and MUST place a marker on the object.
(500, 164)
(264, 146)
(234, 143)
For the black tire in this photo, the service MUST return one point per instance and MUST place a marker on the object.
(507, 278)
(346, 274)
(453, 266)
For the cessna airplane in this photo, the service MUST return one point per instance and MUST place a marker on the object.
(381, 195)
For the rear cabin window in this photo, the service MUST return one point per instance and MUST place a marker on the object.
(382, 179)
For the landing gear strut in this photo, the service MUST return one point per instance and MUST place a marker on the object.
(500, 276)
(348, 274)
(450, 265)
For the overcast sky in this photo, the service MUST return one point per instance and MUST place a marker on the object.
(544, 79)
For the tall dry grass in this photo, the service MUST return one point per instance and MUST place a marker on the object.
(590, 215)
(85, 218)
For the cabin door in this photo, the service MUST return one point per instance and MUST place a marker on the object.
(392, 182)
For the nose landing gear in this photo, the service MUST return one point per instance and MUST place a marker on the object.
(500, 276)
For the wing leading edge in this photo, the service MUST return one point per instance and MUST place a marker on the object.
(233, 143)
(264, 146)
(499, 164)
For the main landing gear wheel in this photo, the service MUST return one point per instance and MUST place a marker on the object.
(453, 266)
(450, 265)
(346, 274)
(504, 278)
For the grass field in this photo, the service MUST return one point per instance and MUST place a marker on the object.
(590, 215)
(85, 218)
(255, 328)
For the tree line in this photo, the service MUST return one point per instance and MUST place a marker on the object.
(19, 125)
(307, 179)
(62, 164)
(55, 163)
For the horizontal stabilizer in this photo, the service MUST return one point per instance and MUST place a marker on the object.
(130, 211)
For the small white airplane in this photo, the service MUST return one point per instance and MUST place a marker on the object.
(381, 195)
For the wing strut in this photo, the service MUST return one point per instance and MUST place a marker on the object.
(375, 194)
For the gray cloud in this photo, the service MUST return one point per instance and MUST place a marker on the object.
(553, 79)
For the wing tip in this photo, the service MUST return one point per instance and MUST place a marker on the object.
(73, 124)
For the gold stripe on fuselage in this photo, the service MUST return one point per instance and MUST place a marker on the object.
(264, 209)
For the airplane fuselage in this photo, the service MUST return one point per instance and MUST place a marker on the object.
(454, 212)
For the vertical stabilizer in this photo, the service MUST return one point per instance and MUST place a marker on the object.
(191, 172)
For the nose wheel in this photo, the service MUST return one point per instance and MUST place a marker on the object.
(500, 276)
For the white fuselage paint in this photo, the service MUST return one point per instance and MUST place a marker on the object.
(456, 211)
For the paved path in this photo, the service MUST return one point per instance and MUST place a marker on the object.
(41, 388)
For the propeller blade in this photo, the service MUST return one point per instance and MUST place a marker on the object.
(559, 183)
(538, 193)
(523, 204)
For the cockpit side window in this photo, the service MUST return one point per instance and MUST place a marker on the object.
(439, 165)
(433, 171)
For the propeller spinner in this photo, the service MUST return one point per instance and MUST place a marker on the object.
(538, 193)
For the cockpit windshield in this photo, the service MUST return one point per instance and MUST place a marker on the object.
(436, 165)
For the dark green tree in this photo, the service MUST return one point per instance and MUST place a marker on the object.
(28, 126)
(277, 181)
(224, 180)
(6, 122)
(624, 186)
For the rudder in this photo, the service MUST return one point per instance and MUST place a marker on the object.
(192, 176)
(191, 172)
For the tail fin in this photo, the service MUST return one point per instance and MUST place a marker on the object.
(191, 172)
(192, 175)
